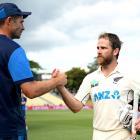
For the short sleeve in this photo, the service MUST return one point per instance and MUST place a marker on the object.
(135, 86)
(84, 91)
(19, 67)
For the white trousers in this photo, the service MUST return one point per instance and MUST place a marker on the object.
(122, 134)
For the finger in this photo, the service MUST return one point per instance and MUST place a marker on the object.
(55, 72)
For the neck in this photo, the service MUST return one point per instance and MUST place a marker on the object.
(109, 68)
(5, 32)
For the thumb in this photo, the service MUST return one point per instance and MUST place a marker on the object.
(55, 72)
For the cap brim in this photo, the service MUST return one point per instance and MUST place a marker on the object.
(26, 14)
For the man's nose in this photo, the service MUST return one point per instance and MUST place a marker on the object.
(99, 50)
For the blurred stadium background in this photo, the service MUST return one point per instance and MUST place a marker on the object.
(48, 118)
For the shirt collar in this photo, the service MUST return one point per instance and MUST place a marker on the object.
(116, 70)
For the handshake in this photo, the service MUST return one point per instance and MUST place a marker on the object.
(59, 77)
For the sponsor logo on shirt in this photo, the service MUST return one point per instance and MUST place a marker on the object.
(105, 95)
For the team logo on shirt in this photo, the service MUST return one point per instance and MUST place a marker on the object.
(94, 83)
(116, 79)
(105, 95)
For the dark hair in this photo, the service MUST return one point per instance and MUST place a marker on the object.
(2, 22)
(14, 18)
(114, 40)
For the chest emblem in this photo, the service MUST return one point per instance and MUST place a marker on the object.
(94, 83)
(116, 79)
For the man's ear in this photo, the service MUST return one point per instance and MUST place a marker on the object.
(8, 20)
(116, 51)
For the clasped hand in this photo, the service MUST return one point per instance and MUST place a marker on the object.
(60, 76)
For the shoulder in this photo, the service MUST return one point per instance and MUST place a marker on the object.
(132, 78)
(8, 46)
(92, 76)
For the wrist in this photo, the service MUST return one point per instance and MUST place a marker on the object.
(60, 87)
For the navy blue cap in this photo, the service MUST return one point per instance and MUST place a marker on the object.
(10, 9)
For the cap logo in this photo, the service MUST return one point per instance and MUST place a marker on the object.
(2, 13)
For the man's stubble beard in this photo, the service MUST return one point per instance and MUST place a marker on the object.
(16, 34)
(104, 61)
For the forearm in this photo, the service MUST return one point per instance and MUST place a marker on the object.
(38, 88)
(73, 104)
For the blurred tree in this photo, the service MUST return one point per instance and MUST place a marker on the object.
(93, 65)
(35, 65)
(75, 78)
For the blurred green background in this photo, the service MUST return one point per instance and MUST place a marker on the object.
(59, 125)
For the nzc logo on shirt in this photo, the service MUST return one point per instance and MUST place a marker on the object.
(105, 95)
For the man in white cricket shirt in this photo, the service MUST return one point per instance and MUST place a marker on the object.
(110, 92)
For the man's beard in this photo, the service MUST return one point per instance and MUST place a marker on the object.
(104, 61)
(15, 34)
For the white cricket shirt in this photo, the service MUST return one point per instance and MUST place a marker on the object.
(108, 94)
